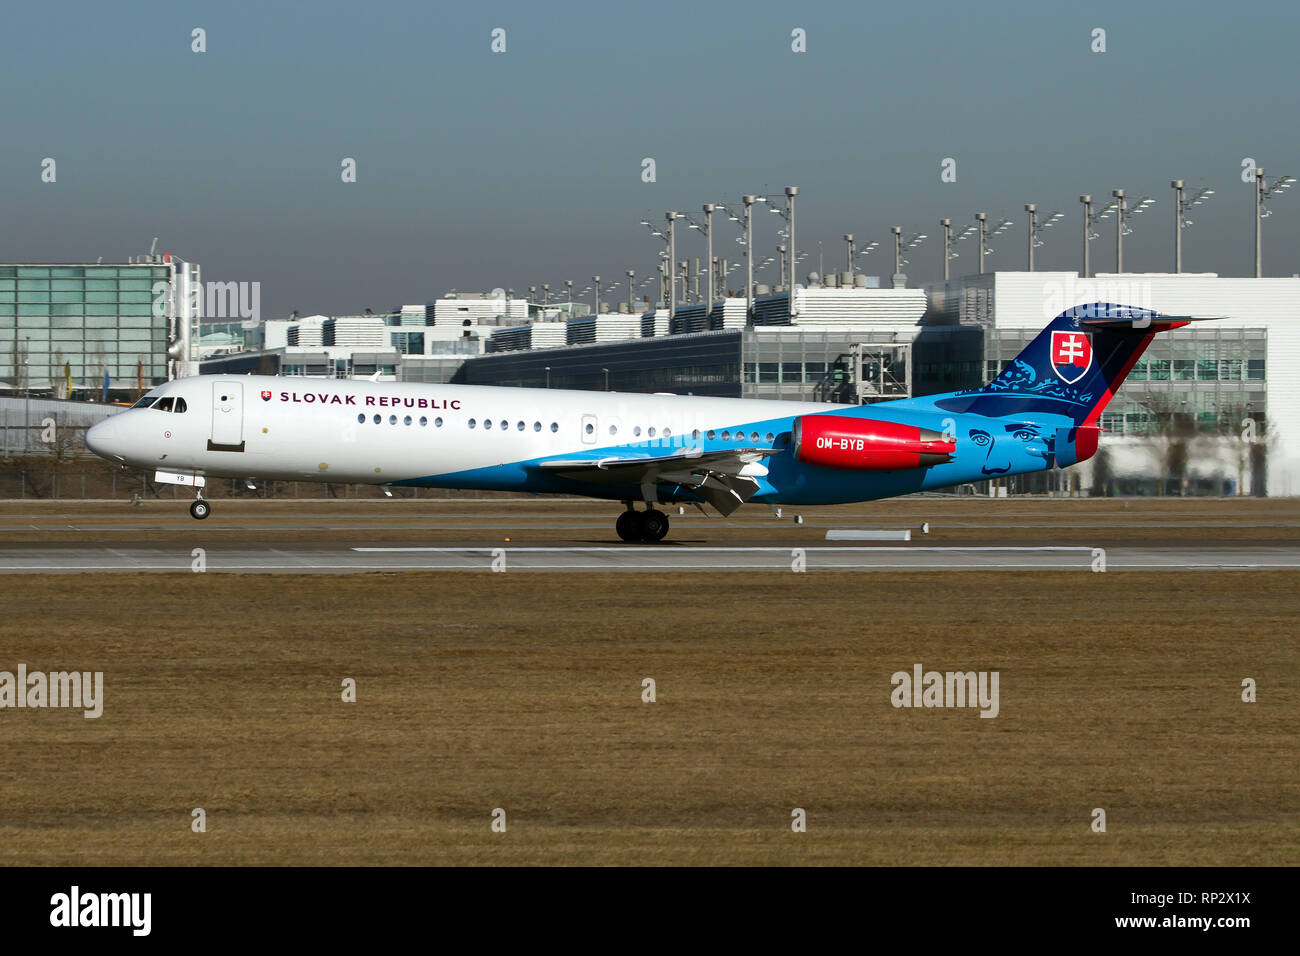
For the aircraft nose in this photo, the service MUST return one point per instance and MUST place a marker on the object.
(99, 437)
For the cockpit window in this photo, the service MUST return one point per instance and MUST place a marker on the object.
(165, 404)
(179, 406)
(146, 401)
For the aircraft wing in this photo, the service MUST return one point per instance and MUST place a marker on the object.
(724, 478)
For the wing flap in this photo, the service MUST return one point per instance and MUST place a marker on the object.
(724, 478)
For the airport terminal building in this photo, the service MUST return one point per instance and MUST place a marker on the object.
(67, 325)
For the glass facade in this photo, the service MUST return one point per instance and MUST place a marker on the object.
(86, 317)
(704, 363)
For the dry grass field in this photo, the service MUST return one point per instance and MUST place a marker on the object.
(478, 691)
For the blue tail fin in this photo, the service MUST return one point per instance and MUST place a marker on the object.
(1074, 366)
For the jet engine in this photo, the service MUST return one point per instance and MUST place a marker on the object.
(863, 444)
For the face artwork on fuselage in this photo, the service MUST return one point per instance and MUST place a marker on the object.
(1001, 451)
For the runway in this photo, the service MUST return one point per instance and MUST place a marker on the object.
(346, 559)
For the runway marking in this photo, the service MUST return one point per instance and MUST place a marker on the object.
(668, 549)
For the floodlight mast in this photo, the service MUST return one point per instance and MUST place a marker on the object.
(1035, 228)
(1123, 212)
(707, 229)
(949, 241)
(901, 247)
(1181, 205)
(981, 220)
(1265, 190)
(1090, 220)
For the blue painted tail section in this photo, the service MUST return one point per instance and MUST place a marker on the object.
(1072, 368)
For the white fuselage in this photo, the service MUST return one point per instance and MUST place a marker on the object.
(280, 428)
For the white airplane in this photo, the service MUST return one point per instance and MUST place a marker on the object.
(1040, 412)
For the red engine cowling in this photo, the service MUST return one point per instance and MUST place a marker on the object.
(862, 444)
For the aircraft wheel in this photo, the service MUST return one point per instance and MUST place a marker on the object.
(654, 525)
(200, 509)
(628, 526)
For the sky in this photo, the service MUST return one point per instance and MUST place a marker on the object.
(478, 169)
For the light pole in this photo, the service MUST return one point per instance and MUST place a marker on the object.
(848, 266)
(548, 376)
(708, 254)
(1264, 190)
(606, 371)
(546, 294)
(631, 279)
(1122, 213)
(569, 283)
(948, 243)
(981, 221)
(1090, 220)
(749, 256)
(791, 249)
(707, 229)
(667, 287)
(901, 247)
(672, 257)
(1180, 216)
(596, 296)
(1035, 228)
(1119, 229)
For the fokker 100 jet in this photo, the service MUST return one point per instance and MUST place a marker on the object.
(1040, 412)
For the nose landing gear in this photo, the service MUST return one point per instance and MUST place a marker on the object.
(200, 509)
(648, 525)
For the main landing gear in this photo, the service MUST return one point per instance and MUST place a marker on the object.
(648, 525)
(200, 509)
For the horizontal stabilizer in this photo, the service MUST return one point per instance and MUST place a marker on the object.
(1159, 322)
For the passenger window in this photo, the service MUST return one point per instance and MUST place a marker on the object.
(505, 425)
(770, 436)
(695, 433)
(423, 421)
(437, 422)
(537, 426)
(392, 419)
(726, 436)
(637, 430)
(406, 420)
(711, 434)
(555, 427)
(361, 419)
(590, 428)
(378, 419)
(487, 423)
(613, 429)
(668, 433)
(472, 423)
(521, 426)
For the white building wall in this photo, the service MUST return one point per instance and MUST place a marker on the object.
(858, 308)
